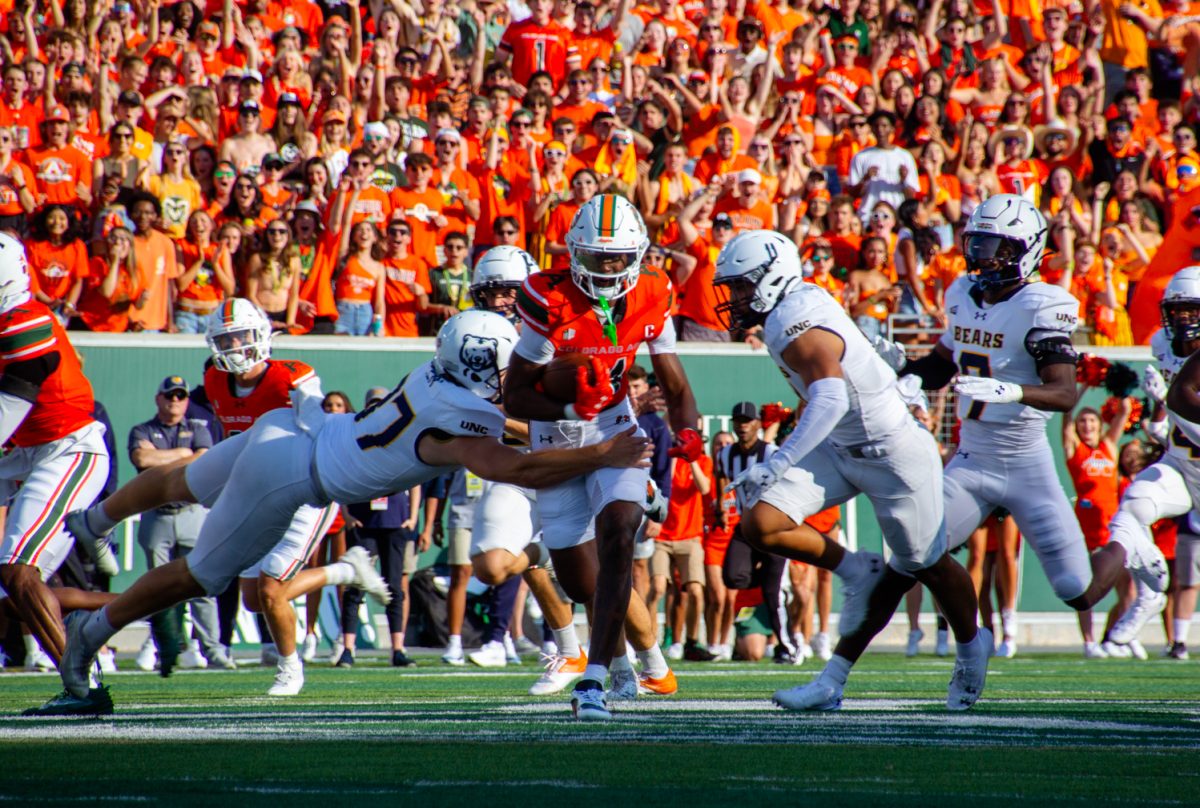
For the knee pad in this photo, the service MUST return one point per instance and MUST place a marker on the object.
(1068, 586)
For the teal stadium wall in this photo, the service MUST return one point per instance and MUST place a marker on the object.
(126, 369)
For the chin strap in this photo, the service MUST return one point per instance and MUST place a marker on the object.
(610, 328)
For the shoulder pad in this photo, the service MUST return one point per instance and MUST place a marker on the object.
(1054, 308)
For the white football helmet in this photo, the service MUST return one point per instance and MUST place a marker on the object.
(14, 273)
(502, 267)
(239, 336)
(1003, 241)
(1180, 305)
(606, 241)
(756, 268)
(473, 349)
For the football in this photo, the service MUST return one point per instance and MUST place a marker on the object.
(558, 381)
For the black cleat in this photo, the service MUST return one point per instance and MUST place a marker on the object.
(346, 660)
(164, 629)
(98, 702)
(692, 652)
(402, 660)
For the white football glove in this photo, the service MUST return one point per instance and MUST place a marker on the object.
(890, 352)
(909, 387)
(759, 477)
(1157, 430)
(1153, 384)
(987, 390)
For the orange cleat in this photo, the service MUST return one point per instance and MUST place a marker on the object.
(663, 686)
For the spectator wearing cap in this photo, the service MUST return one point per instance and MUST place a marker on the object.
(62, 173)
(170, 531)
(702, 234)
(884, 172)
(1017, 170)
(129, 109)
(459, 189)
(746, 205)
(408, 284)
(250, 88)
(750, 53)
(316, 308)
(723, 160)
(386, 175)
(335, 142)
(249, 146)
(290, 132)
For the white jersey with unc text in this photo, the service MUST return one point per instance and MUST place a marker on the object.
(995, 340)
(1165, 358)
(358, 456)
(1184, 435)
(876, 409)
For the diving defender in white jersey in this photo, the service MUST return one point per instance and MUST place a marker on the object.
(1009, 342)
(441, 416)
(856, 436)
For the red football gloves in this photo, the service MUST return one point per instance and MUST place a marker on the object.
(771, 414)
(688, 445)
(591, 398)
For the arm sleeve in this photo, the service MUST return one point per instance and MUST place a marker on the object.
(828, 402)
(1050, 347)
(534, 347)
(935, 371)
(664, 343)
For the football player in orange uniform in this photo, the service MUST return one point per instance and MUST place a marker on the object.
(55, 459)
(605, 307)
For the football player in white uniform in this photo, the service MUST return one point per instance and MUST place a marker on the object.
(1009, 342)
(506, 519)
(440, 416)
(1170, 487)
(856, 436)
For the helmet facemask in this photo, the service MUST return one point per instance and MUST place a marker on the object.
(239, 349)
(993, 261)
(486, 297)
(1181, 320)
(605, 274)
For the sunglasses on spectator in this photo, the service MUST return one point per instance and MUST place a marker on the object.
(710, 28)
(759, 146)
(175, 395)
(399, 231)
(720, 49)
(224, 175)
(122, 135)
(793, 142)
(518, 124)
(277, 231)
(408, 60)
(362, 164)
(847, 46)
(726, 225)
(857, 124)
(506, 232)
(244, 186)
(821, 256)
(177, 151)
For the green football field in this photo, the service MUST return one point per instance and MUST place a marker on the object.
(1050, 728)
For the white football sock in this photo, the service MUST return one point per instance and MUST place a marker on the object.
(653, 663)
(292, 660)
(1008, 622)
(837, 670)
(1181, 629)
(455, 643)
(621, 662)
(98, 520)
(597, 673)
(31, 645)
(339, 573)
(97, 630)
(567, 641)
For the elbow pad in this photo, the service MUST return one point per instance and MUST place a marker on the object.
(934, 370)
(1050, 350)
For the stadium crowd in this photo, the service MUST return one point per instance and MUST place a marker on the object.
(341, 164)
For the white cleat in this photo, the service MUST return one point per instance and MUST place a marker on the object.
(818, 696)
(289, 680)
(1146, 605)
(523, 645)
(1007, 648)
(1114, 650)
(725, 652)
(914, 642)
(335, 655)
(76, 666)
(38, 660)
(192, 658)
(510, 650)
(94, 544)
(675, 651)
(942, 646)
(1092, 650)
(1138, 650)
(1147, 563)
(365, 576)
(454, 656)
(147, 656)
(588, 702)
(491, 655)
(856, 592)
(970, 674)
(107, 660)
(821, 646)
(560, 673)
(308, 651)
(221, 658)
(624, 684)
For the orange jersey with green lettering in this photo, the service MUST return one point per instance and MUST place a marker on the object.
(274, 389)
(552, 305)
(64, 402)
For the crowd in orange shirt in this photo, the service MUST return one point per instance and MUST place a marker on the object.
(258, 136)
